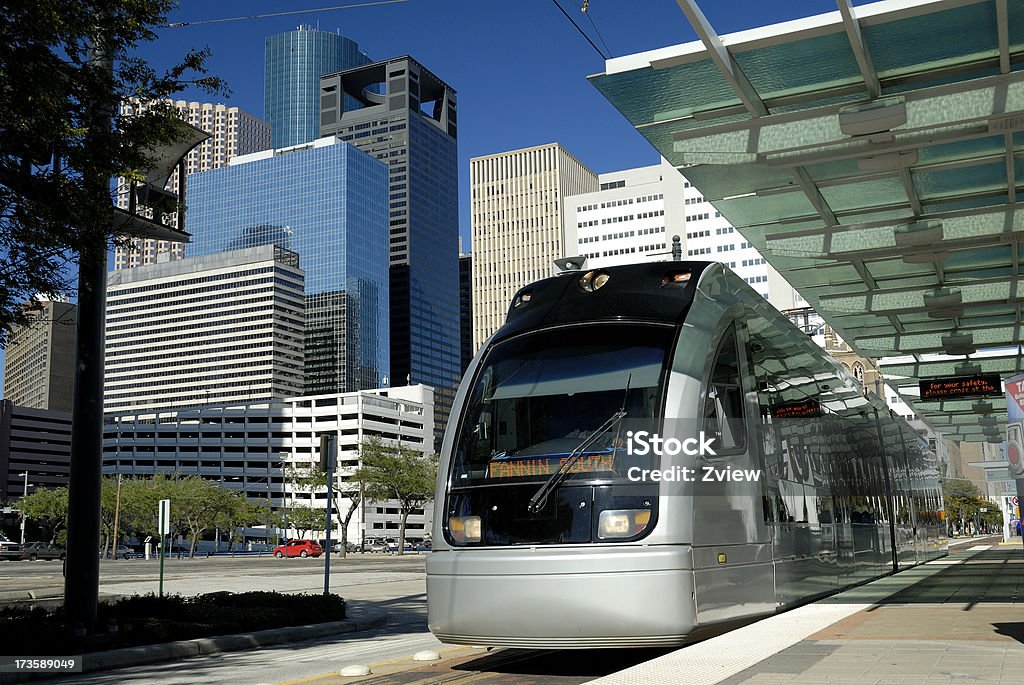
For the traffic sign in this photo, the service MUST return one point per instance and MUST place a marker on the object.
(164, 517)
(1013, 500)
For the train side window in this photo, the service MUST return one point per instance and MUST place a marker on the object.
(723, 399)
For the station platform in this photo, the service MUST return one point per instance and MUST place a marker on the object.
(959, 619)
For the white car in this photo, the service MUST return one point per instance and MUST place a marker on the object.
(9, 550)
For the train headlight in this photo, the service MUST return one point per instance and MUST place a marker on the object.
(464, 528)
(593, 280)
(622, 523)
(522, 299)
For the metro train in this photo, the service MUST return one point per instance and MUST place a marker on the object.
(559, 524)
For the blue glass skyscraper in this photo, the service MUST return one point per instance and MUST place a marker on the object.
(293, 64)
(405, 116)
(326, 201)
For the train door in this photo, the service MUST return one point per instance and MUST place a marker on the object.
(798, 521)
(730, 547)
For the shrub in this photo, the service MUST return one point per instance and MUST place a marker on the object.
(148, 619)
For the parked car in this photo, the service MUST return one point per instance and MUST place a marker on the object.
(42, 550)
(349, 547)
(122, 552)
(298, 548)
(375, 545)
(10, 551)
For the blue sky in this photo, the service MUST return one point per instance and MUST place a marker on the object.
(519, 67)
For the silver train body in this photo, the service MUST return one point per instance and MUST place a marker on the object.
(846, 491)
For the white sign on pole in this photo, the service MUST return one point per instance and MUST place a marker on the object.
(164, 520)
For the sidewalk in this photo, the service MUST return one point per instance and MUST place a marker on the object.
(958, 619)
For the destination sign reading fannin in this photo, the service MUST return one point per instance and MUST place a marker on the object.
(961, 386)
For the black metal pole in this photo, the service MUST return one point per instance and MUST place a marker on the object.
(81, 583)
(327, 452)
(1019, 483)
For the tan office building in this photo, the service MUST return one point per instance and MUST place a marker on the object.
(517, 207)
(40, 362)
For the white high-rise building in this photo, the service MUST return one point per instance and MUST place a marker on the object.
(233, 132)
(631, 219)
(710, 236)
(637, 212)
(250, 447)
(226, 327)
(517, 206)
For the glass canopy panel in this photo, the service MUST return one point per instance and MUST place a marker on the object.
(725, 181)
(916, 274)
(762, 209)
(667, 93)
(875, 193)
(814, 63)
(960, 150)
(967, 203)
(961, 180)
(983, 262)
(825, 275)
(1015, 24)
(933, 40)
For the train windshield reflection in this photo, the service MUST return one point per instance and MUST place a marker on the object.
(538, 397)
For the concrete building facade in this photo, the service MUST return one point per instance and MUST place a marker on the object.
(250, 446)
(39, 363)
(233, 132)
(225, 327)
(631, 219)
(36, 442)
(517, 207)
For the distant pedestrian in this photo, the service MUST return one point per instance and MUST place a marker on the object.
(1018, 527)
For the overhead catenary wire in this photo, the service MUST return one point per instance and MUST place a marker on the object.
(581, 31)
(181, 24)
(597, 30)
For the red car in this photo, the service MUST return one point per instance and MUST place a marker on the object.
(298, 548)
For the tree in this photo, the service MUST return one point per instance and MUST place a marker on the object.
(304, 519)
(314, 479)
(393, 472)
(58, 149)
(238, 512)
(197, 505)
(48, 506)
(963, 501)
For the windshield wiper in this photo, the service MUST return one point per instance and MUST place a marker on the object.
(540, 498)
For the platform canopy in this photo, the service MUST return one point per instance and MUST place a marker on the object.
(872, 155)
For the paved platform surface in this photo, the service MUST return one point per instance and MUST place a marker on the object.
(955, 620)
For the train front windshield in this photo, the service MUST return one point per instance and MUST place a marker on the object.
(545, 410)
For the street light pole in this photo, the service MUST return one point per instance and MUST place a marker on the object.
(24, 494)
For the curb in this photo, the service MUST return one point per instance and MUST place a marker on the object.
(28, 595)
(149, 654)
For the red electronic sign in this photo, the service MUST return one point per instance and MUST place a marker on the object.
(983, 385)
(807, 409)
